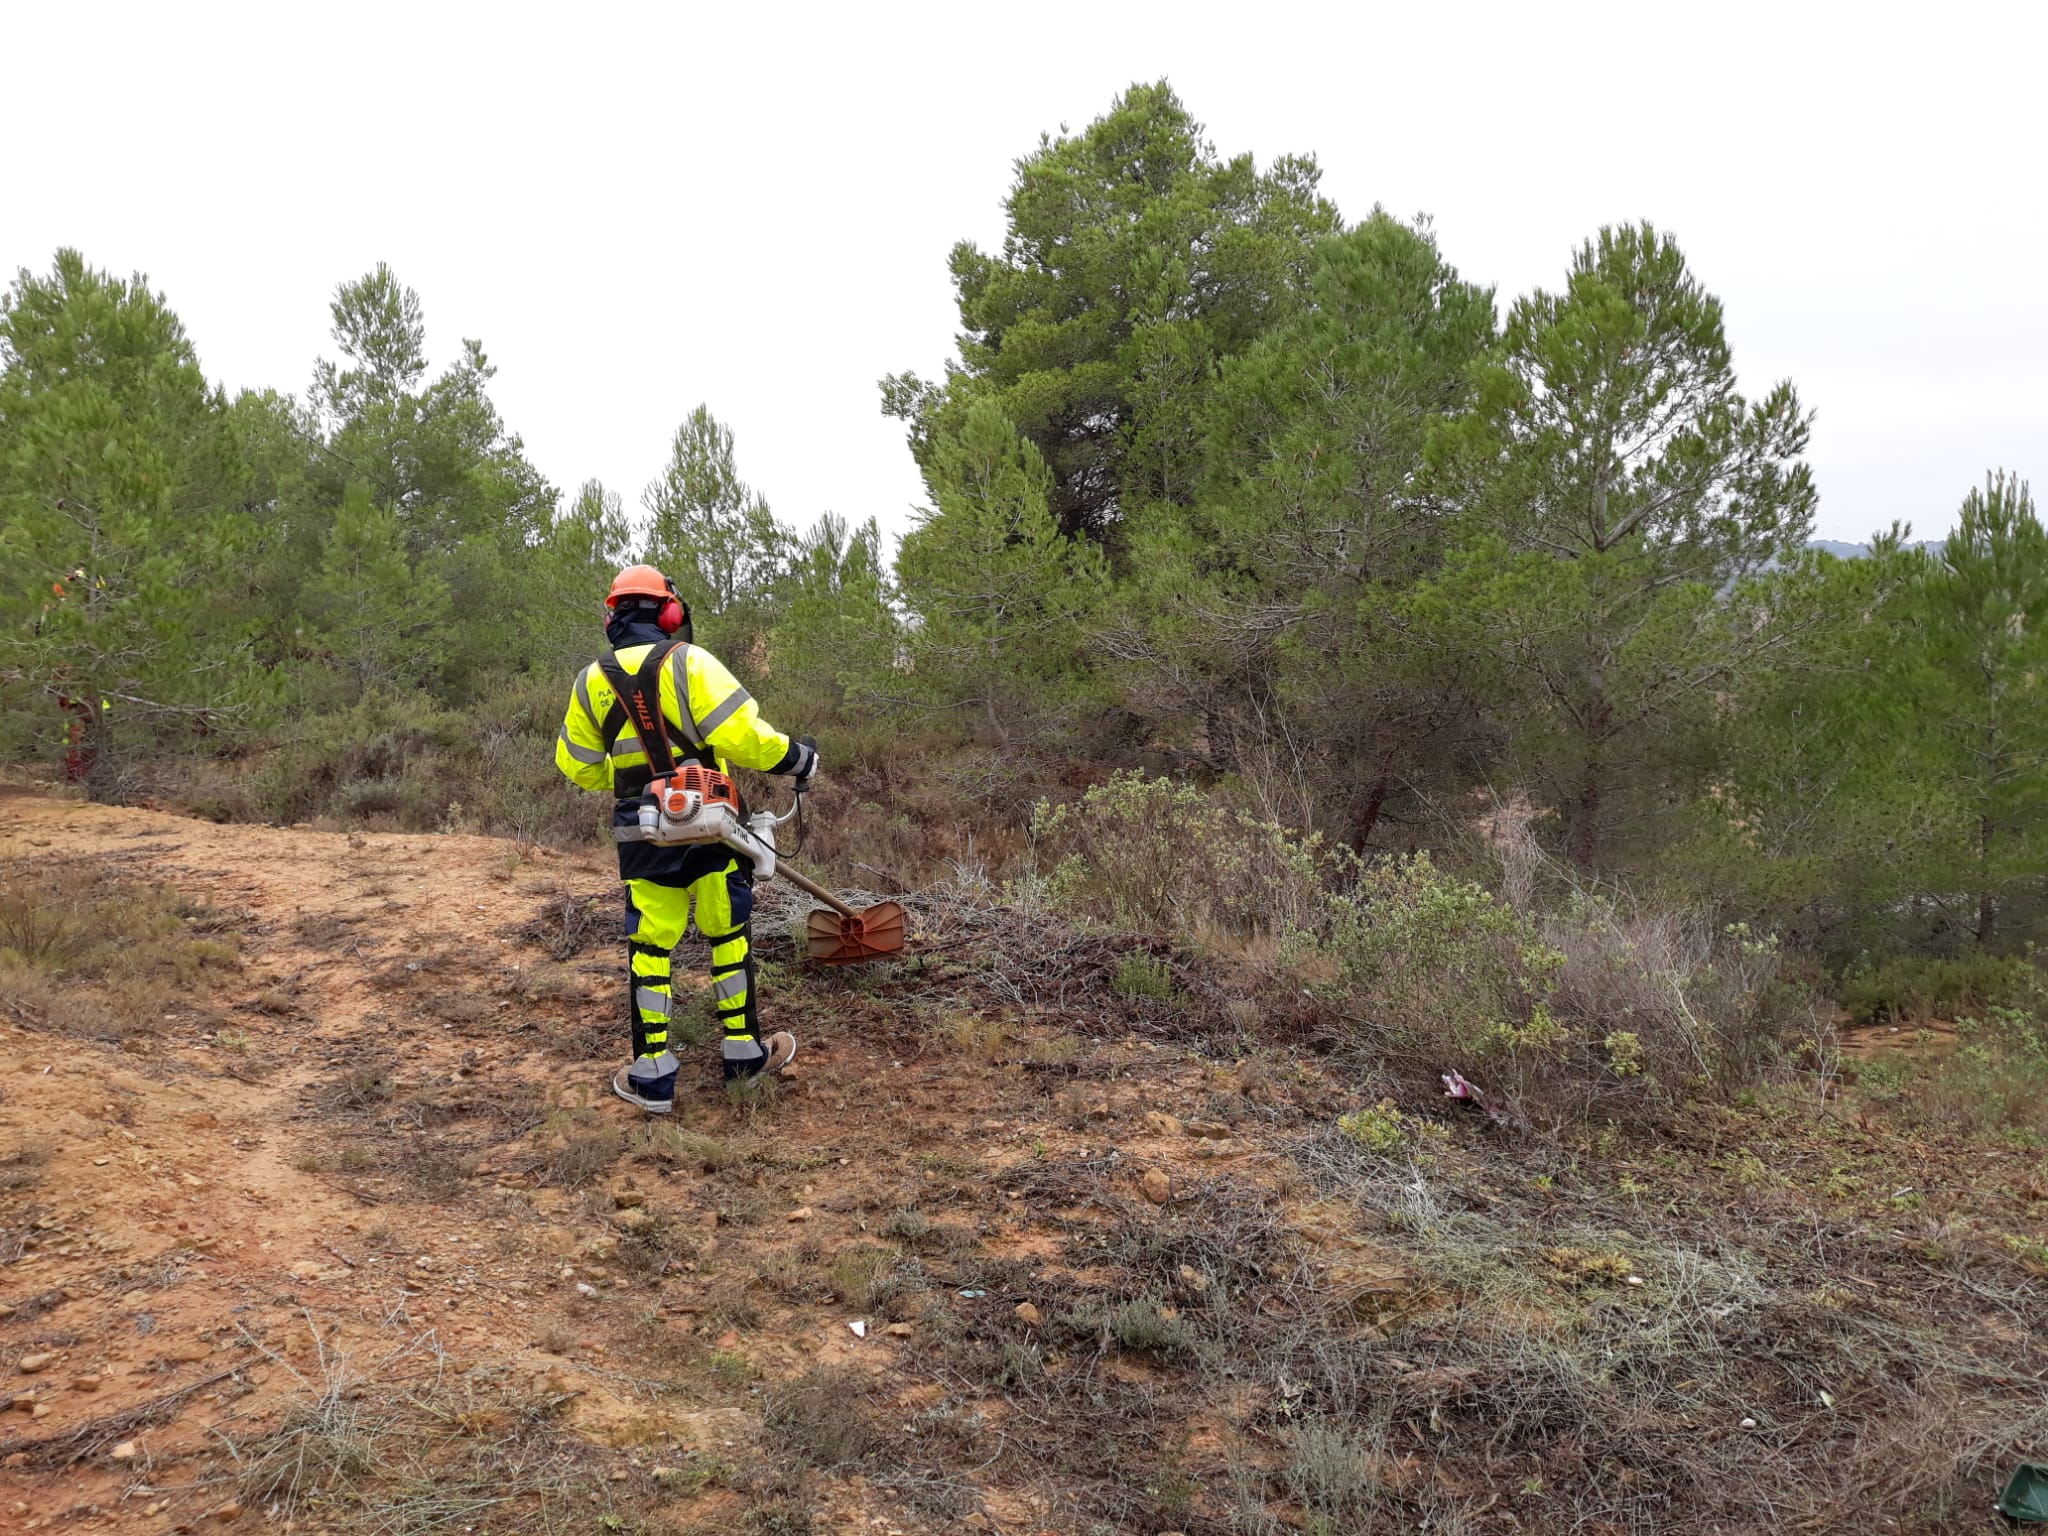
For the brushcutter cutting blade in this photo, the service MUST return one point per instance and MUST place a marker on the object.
(874, 933)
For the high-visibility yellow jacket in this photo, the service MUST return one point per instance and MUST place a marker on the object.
(598, 750)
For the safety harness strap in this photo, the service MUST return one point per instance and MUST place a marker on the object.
(640, 693)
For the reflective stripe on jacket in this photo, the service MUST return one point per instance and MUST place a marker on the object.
(722, 725)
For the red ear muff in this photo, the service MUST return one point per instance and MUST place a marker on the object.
(670, 619)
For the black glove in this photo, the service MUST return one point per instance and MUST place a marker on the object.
(806, 766)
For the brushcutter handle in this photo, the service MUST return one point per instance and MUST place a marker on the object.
(768, 819)
(796, 805)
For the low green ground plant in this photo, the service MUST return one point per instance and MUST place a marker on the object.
(1994, 1080)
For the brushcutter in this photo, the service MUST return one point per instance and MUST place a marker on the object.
(696, 805)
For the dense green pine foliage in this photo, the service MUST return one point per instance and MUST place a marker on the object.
(1135, 259)
(1219, 485)
(124, 530)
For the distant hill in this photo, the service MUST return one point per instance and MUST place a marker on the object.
(1845, 551)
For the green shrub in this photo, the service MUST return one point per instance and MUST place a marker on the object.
(1141, 976)
(1995, 1080)
(1914, 988)
(392, 764)
(1381, 1129)
(1146, 1327)
(1440, 957)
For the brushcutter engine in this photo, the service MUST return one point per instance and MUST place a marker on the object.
(696, 805)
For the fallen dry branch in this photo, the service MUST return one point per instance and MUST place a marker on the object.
(70, 1446)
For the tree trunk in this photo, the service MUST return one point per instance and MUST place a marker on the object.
(1585, 843)
(1591, 802)
(1375, 802)
(102, 775)
(1987, 903)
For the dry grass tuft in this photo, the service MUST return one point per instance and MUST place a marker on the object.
(86, 951)
(400, 1444)
(821, 1420)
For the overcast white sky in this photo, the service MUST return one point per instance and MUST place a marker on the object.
(638, 207)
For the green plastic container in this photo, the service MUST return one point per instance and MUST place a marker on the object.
(2026, 1495)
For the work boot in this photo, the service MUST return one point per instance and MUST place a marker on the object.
(766, 1058)
(656, 1095)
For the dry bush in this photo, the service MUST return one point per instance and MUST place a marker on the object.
(779, 1514)
(1603, 1006)
(1590, 1376)
(1334, 1472)
(1704, 1007)
(653, 1250)
(21, 1167)
(895, 806)
(399, 1444)
(569, 925)
(389, 764)
(582, 1157)
(360, 1087)
(1151, 855)
(868, 1279)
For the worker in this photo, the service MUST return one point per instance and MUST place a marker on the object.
(711, 721)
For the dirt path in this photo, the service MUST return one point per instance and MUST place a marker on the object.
(385, 1148)
(185, 1234)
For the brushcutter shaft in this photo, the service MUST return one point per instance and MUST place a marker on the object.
(812, 888)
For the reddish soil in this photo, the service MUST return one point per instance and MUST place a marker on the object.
(203, 1250)
(362, 1207)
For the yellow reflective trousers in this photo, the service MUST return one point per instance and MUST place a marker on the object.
(657, 916)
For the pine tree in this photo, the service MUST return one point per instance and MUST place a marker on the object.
(1250, 631)
(1613, 484)
(1975, 669)
(713, 535)
(1001, 596)
(381, 329)
(1135, 257)
(836, 636)
(381, 619)
(435, 454)
(122, 545)
(568, 573)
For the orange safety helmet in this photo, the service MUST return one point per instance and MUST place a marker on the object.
(646, 581)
